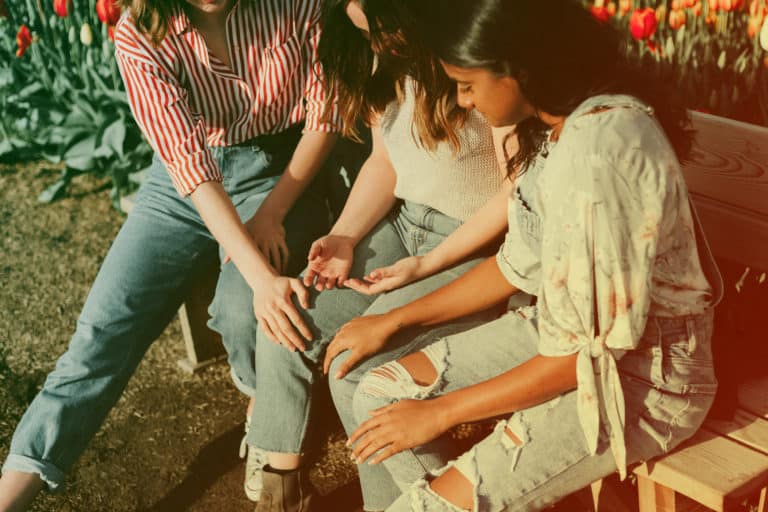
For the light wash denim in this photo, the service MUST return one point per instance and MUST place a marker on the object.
(139, 287)
(668, 383)
(284, 380)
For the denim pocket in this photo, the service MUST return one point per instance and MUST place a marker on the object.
(682, 360)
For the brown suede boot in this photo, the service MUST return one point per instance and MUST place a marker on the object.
(290, 492)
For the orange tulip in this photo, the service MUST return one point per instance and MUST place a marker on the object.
(625, 6)
(753, 26)
(23, 40)
(758, 8)
(690, 3)
(731, 5)
(696, 9)
(714, 5)
(677, 19)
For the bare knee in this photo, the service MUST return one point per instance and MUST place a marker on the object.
(455, 488)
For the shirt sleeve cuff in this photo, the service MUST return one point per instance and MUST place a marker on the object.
(190, 171)
(514, 278)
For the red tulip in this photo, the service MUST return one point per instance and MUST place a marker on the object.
(714, 5)
(601, 13)
(642, 23)
(756, 9)
(108, 11)
(61, 7)
(690, 3)
(23, 40)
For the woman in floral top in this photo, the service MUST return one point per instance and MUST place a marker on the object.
(613, 364)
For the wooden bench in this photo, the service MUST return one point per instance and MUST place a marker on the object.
(727, 460)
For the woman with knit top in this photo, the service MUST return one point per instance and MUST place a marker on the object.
(402, 232)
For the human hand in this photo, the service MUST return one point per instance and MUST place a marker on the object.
(397, 427)
(363, 337)
(268, 232)
(329, 261)
(402, 272)
(278, 316)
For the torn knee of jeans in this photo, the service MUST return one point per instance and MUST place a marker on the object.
(392, 380)
(513, 435)
(424, 499)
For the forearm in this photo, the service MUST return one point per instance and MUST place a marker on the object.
(531, 383)
(478, 289)
(371, 197)
(485, 226)
(221, 218)
(310, 153)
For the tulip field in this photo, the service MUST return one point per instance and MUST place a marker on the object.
(62, 100)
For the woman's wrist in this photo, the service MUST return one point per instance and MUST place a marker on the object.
(446, 414)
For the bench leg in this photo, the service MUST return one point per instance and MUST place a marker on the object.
(203, 345)
(653, 497)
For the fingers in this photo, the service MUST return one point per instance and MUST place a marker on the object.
(315, 251)
(266, 326)
(359, 286)
(310, 276)
(287, 335)
(355, 356)
(336, 347)
(301, 293)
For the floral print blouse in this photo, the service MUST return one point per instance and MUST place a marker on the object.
(602, 219)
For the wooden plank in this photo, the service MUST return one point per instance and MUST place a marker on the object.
(745, 428)
(729, 162)
(753, 395)
(709, 467)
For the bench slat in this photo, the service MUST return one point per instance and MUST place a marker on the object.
(744, 427)
(709, 468)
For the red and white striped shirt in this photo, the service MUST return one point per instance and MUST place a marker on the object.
(185, 100)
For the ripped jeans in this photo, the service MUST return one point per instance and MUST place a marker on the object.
(668, 385)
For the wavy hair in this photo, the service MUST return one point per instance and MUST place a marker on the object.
(367, 75)
(559, 54)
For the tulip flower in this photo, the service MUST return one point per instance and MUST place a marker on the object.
(690, 3)
(86, 34)
(714, 5)
(61, 7)
(108, 11)
(642, 23)
(625, 6)
(23, 40)
(601, 13)
(758, 8)
(731, 5)
(677, 19)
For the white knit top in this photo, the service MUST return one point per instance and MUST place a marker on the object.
(455, 184)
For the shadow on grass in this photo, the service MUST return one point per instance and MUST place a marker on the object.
(210, 465)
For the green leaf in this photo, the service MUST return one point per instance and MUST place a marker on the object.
(114, 136)
(80, 155)
(55, 191)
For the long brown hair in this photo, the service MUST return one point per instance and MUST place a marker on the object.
(557, 51)
(349, 59)
(153, 17)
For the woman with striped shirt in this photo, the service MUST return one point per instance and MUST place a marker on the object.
(229, 94)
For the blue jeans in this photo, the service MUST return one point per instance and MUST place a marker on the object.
(284, 379)
(668, 385)
(137, 291)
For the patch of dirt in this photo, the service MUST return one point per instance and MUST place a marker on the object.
(171, 442)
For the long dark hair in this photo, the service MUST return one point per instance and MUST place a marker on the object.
(348, 66)
(555, 49)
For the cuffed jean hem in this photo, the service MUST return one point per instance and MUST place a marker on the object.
(52, 476)
(240, 385)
